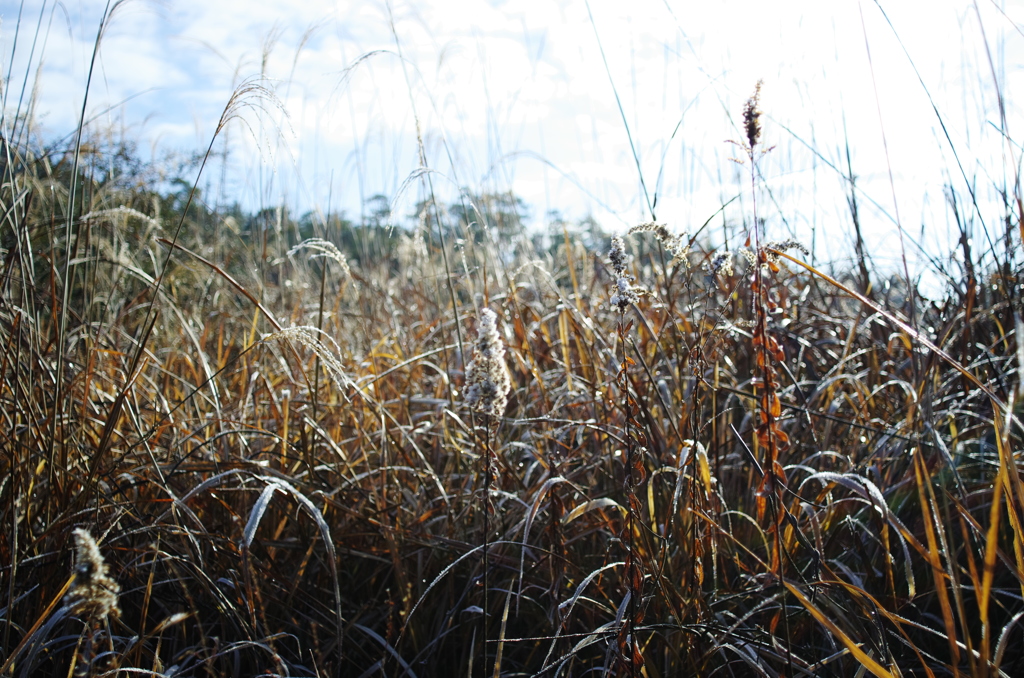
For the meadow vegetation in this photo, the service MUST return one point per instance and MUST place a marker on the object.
(439, 444)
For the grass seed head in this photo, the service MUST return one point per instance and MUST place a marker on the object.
(324, 249)
(752, 117)
(93, 593)
(617, 256)
(625, 293)
(721, 265)
(487, 378)
(774, 246)
(660, 231)
(677, 245)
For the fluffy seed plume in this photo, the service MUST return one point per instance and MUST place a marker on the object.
(617, 256)
(625, 294)
(324, 249)
(660, 231)
(328, 351)
(487, 378)
(752, 117)
(93, 593)
(677, 245)
(120, 212)
(783, 246)
(770, 250)
(720, 265)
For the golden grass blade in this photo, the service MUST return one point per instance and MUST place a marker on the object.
(501, 636)
(896, 620)
(939, 574)
(593, 505)
(867, 662)
(1009, 476)
(991, 547)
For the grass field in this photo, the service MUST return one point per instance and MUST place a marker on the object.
(241, 444)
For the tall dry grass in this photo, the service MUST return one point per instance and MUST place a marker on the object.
(750, 466)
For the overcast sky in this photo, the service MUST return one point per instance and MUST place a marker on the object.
(516, 95)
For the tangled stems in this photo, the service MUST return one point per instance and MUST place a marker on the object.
(630, 658)
(767, 353)
(486, 458)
